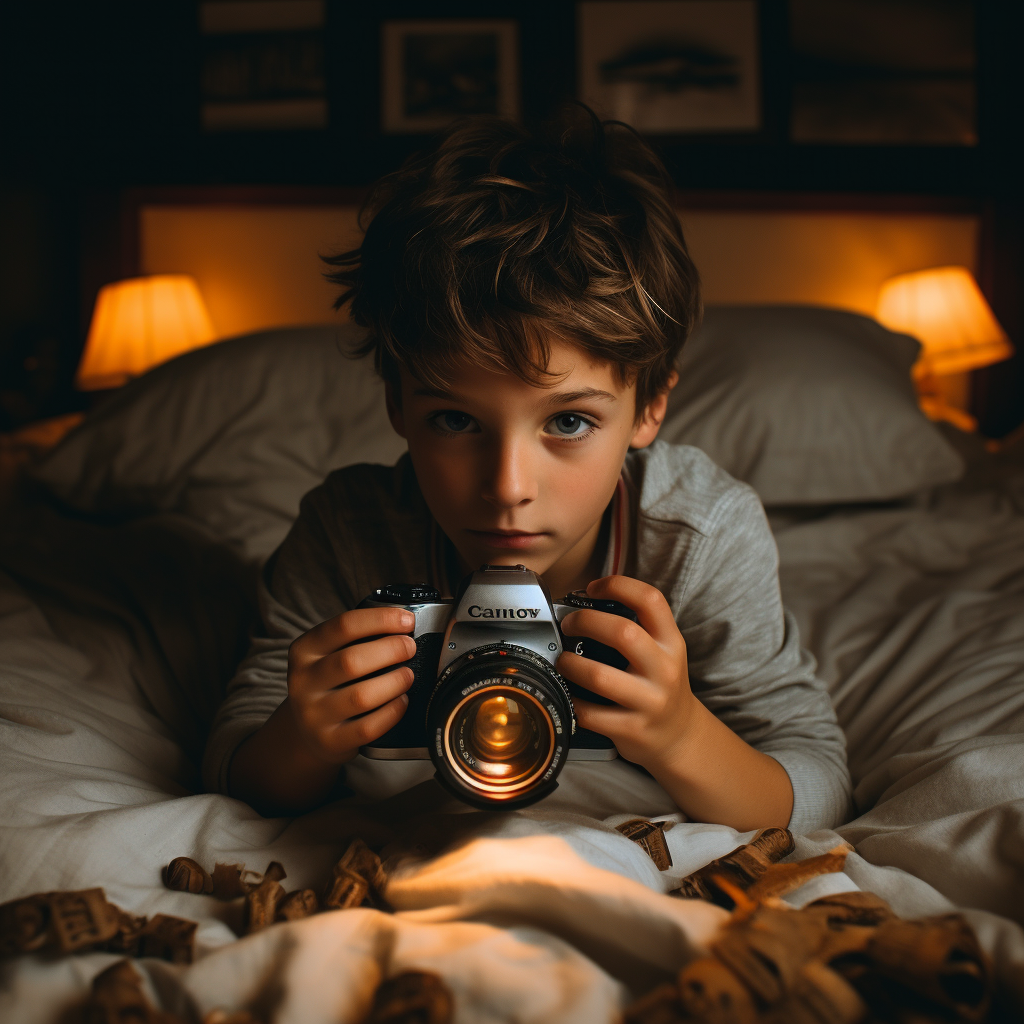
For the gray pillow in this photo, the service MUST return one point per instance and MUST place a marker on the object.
(808, 405)
(231, 436)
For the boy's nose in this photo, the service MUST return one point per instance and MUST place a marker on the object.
(510, 481)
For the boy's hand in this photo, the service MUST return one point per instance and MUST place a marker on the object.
(654, 707)
(656, 721)
(334, 715)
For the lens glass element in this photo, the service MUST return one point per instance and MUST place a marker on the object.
(502, 739)
(500, 720)
(500, 730)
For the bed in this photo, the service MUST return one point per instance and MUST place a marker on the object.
(127, 568)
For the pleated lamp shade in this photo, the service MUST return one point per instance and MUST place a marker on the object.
(944, 309)
(138, 324)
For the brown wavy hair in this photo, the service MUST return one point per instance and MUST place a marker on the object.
(497, 239)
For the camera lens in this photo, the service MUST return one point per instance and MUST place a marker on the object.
(501, 720)
(507, 737)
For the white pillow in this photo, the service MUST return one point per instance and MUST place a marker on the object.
(232, 435)
(808, 405)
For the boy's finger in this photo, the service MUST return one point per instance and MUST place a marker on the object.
(627, 690)
(370, 658)
(365, 697)
(652, 610)
(630, 639)
(357, 732)
(347, 628)
(599, 718)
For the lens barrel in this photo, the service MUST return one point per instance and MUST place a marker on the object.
(499, 723)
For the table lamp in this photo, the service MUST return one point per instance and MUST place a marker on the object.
(138, 324)
(944, 309)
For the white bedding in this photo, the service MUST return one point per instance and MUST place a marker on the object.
(112, 641)
(916, 614)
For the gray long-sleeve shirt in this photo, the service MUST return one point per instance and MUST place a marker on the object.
(696, 534)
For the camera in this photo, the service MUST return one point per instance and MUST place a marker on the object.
(486, 704)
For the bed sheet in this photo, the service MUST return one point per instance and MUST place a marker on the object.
(916, 615)
(114, 641)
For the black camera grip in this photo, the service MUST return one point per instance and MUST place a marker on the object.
(588, 648)
(409, 732)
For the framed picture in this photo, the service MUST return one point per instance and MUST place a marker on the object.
(435, 71)
(263, 65)
(876, 74)
(671, 66)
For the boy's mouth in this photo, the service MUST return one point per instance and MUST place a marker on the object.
(507, 539)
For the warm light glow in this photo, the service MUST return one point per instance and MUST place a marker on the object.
(944, 309)
(138, 324)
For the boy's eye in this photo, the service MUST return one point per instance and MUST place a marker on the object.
(455, 422)
(569, 424)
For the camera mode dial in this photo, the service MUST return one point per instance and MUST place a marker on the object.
(580, 599)
(407, 593)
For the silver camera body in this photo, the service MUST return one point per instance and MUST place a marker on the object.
(486, 698)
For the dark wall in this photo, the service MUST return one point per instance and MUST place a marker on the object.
(999, 390)
(101, 97)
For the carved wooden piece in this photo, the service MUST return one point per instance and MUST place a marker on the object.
(843, 959)
(129, 929)
(235, 1017)
(774, 842)
(169, 938)
(84, 921)
(80, 920)
(780, 879)
(940, 959)
(852, 908)
(414, 997)
(767, 949)
(275, 872)
(67, 922)
(650, 837)
(345, 890)
(117, 997)
(709, 991)
(297, 904)
(742, 868)
(227, 882)
(261, 905)
(358, 879)
(361, 860)
(186, 875)
(660, 1006)
(818, 995)
(25, 925)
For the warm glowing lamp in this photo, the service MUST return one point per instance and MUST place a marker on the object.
(138, 324)
(944, 309)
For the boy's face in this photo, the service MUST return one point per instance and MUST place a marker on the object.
(518, 473)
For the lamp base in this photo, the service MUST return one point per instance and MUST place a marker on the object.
(943, 398)
(935, 407)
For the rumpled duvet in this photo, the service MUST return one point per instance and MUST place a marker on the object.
(116, 638)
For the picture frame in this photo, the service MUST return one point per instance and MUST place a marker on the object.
(672, 67)
(913, 84)
(436, 70)
(263, 65)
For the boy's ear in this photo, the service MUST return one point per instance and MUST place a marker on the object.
(394, 407)
(649, 424)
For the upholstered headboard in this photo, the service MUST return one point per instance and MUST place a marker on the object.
(255, 251)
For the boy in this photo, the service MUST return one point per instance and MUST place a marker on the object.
(526, 300)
